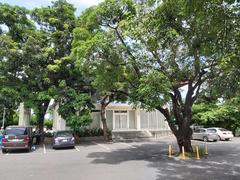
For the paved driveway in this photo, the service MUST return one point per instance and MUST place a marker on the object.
(122, 161)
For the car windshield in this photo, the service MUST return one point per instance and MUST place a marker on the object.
(211, 130)
(64, 134)
(15, 131)
(222, 129)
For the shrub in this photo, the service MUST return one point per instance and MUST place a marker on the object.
(48, 124)
(86, 132)
(48, 134)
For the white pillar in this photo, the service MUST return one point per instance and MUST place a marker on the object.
(138, 119)
(58, 122)
(24, 115)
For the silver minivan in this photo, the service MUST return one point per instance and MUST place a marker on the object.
(205, 135)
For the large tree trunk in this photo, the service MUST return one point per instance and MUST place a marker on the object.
(104, 103)
(104, 122)
(180, 125)
(184, 137)
(182, 132)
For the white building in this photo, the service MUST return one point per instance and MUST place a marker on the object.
(124, 121)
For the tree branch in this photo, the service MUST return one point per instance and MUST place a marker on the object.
(128, 51)
(166, 113)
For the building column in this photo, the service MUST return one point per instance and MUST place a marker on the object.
(58, 122)
(24, 115)
(137, 115)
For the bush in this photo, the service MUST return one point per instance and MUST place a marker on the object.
(48, 134)
(48, 124)
(86, 132)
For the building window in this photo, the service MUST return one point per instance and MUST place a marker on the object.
(121, 119)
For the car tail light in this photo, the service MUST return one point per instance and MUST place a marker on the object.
(26, 139)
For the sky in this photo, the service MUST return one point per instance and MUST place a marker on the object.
(30, 4)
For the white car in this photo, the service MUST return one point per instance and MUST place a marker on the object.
(223, 134)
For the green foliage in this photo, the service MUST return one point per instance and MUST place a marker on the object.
(36, 58)
(75, 108)
(48, 123)
(16, 20)
(86, 132)
(103, 68)
(152, 90)
(11, 117)
(33, 120)
(225, 114)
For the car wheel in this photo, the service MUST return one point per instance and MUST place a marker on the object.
(227, 139)
(29, 149)
(205, 139)
(4, 151)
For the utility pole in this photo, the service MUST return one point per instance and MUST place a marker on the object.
(4, 112)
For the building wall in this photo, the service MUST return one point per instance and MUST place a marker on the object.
(96, 120)
(152, 120)
(136, 119)
(109, 117)
(132, 120)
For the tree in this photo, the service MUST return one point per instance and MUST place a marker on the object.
(56, 23)
(14, 26)
(103, 71)
(35, 60)
(24, 53)
(164, 46)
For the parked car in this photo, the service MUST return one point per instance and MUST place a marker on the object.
(17, 137)
(223, 134)
(63, 139)
(1, 136)
(205, 134)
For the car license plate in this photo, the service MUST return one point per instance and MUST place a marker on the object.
(14, 140)
(64, 140)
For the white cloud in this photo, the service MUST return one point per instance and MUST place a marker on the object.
(84, 3)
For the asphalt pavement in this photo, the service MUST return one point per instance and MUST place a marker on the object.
(132, 160)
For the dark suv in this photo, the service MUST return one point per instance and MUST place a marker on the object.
(17, 137)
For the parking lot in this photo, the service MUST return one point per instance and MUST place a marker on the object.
(122, 160)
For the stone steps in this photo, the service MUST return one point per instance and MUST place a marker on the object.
(121, 135)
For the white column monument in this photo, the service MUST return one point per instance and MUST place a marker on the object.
(58, 122)
(24, 115)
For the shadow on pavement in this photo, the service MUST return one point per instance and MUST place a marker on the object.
(221, 164)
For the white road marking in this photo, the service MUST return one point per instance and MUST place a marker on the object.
(77, 149)
(125, 144)
(7, 154)
(101, 145)
(44, 149)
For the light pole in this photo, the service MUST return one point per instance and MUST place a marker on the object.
(4, 112)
